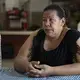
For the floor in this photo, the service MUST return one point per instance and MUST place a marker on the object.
(7, 62)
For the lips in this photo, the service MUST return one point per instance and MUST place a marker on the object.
(49, 30)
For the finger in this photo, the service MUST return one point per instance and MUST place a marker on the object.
(32, 75)
(38, 62)
(31, 67)
(37, 75)
(37, 67)
(34, 65)
(41, 66)
(36, 72)
(35, 62)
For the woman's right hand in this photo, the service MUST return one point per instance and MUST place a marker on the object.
(32, 66)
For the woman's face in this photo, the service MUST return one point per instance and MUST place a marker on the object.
(52, 24)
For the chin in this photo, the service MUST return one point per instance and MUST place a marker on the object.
(51, 35)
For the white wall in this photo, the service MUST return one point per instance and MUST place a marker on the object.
(22, 2)
(9, 4)
(2, 7)
(35, 5)
(38, 5)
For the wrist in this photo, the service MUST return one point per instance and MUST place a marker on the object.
(52, 71)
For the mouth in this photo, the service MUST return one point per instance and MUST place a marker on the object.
(49, 30)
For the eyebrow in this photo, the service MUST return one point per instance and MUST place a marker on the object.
(49, 17)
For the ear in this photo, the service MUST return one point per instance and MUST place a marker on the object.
(63, 21)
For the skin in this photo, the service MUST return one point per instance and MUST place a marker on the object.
(52, 24)
(55, 31)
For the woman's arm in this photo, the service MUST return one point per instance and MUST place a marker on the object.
(69, 69)
(22, 59)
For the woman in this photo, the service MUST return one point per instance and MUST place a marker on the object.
(52, 48)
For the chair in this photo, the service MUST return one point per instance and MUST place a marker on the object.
(0, 54)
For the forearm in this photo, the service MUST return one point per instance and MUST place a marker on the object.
(21, 64)
(70, 69)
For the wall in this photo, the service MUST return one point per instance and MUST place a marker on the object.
(9, 4)
(22, 2)
(36, 8)
(2, 14)
(38, 5)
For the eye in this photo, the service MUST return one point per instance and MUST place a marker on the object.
(52, 20)
(44, 19)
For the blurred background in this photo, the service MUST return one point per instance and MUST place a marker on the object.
(27, 14)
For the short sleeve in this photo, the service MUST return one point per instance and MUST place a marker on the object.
(71, 39)
(72, 36)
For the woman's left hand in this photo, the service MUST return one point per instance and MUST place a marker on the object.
(45, 71)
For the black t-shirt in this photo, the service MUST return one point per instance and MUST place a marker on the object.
(62, 55)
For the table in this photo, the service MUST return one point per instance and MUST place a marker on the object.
(10, 74)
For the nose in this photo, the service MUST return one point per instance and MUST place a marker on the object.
(47, 23)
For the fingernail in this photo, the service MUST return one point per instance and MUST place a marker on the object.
(35, 65)
(38, 62)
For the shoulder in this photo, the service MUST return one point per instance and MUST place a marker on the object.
(76, 36)
(72, 38)
(29, 40)
(39, 31)
(73, 34)
(35, 33)
(40, 34)
(37, 39)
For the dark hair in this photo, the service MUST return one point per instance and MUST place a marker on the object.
(60, 10)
